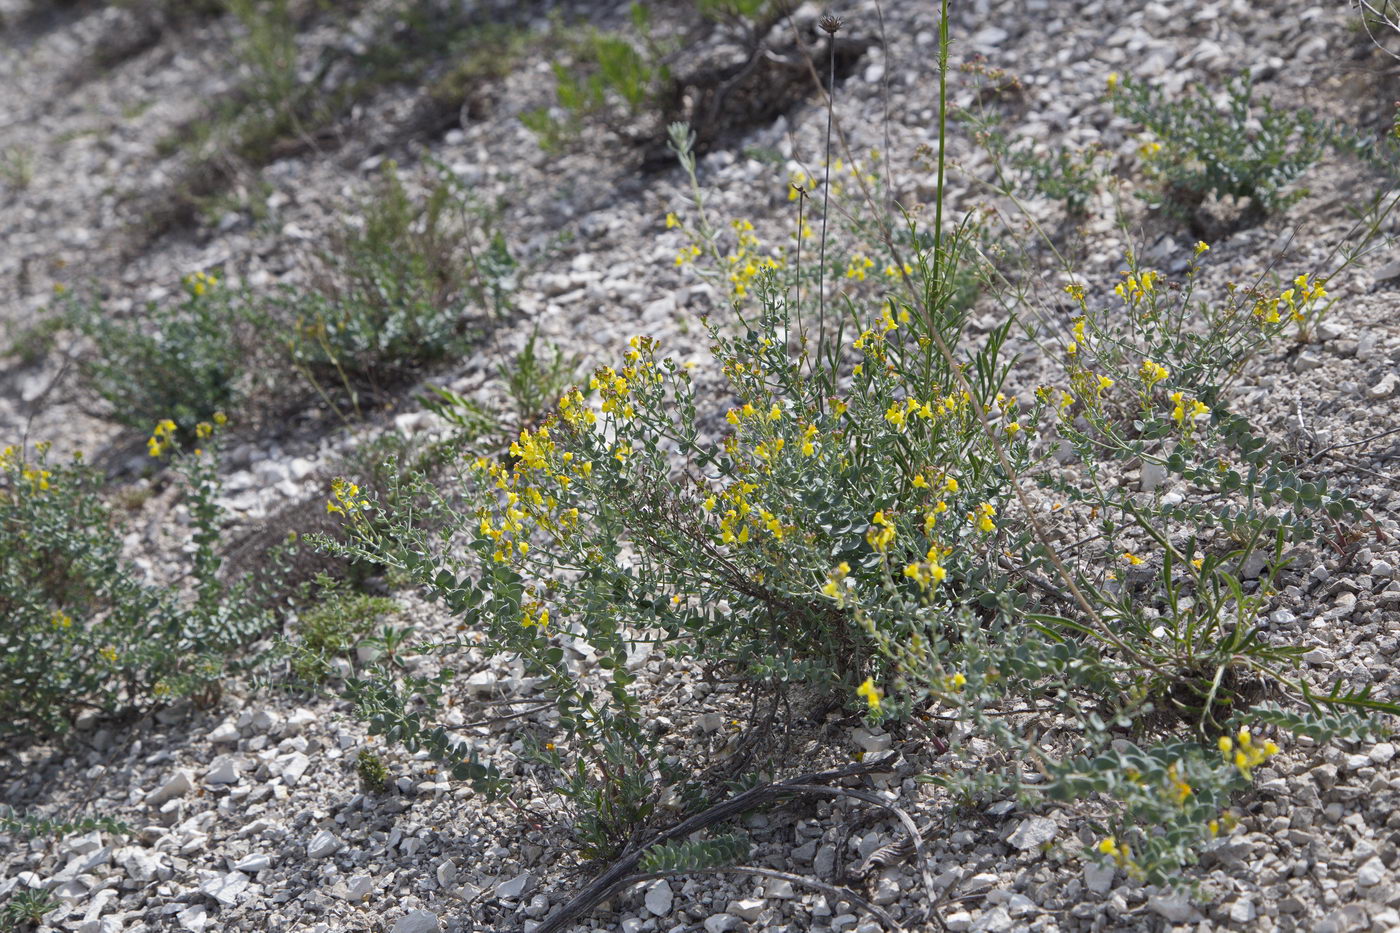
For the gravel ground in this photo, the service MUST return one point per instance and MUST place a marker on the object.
(249, 816)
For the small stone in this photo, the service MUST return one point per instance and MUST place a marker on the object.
(1371, 873)
(179, 784)
(417, 921)
(873, 743)
(446, 872)
(780, 889)
(1152, 476)
(1098, 877)
(1174, 908)
(658, 898)
(887, 891)
(85, 844)
(1018, 905)
(294, 768)
(322, 844)
(226, 733)
(747, 909)
(996, 920)
(1382, 753)
(512, 889)
(1306, 361)
(139, 864)
(226, 888)
(958, 922)
(1385, 388)
(842, 922)
(722, 923)
(359, 887)
(223, 770)
(538, 907)
(1242, 911)
(263, 720)
(258, 861)
(1033, 832)
(481, 684)
(194, 919)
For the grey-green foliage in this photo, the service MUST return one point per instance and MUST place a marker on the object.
(614, 79)
(30, 825)
(716, 852)
(413, 285)
(1246, 149)
(181, 358)
(85, 631)
(26, 908)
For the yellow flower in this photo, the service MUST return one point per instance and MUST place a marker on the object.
(1112, 81)
(1132, 558)
(671, 221)
(871, 693)
(109, 654)
(1108, 846)
(881, 533)
(1152, 372)
(1201, 247)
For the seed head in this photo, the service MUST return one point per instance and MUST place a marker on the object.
(830, 24)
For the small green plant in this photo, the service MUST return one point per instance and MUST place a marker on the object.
(84, 632)
(27, 908)
(373, 773)
(1071, 176)
(615, 80)
(30, 826)
(413, 286)
(180, 359)
(17, 167)
(1249, 150)
(332, 628)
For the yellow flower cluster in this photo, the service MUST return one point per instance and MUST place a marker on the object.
(744, 262)
(161, 438)
(881, 533)
(1295, 301)
(930, 571)
(1136, 286)
(345, 498)
(200, 283)
(857, 267)
(1186, 412)
(872, 694)
(60, 619)
(1152, 373)
(837, 583)
(1243, 753)
(982, 517)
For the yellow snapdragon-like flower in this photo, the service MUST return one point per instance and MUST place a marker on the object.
(881, 533)
(872, 694)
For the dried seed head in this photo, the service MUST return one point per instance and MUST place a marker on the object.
(830, 24)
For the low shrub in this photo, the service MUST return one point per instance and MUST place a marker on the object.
(181, 358)
(416, 284)
(1249, 150)
(85, 633)
(877, 523)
